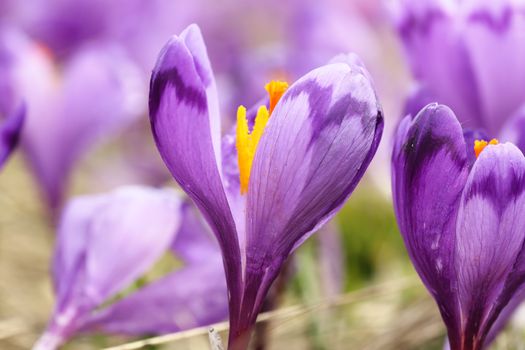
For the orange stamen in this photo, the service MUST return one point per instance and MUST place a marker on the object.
(276, 90)
(479, 145)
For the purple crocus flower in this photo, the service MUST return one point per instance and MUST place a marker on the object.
(293, 175)
(62, 121)
(459, 207)
(105, 242)
(468, 55)
(193, 296)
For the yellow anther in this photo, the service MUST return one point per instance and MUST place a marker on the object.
(247, 142)
(479, 145)
(276, 90)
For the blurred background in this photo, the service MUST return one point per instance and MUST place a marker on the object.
(82, 68)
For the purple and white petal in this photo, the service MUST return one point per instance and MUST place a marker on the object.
(138, 223)
(315, 148)
(180, 120)
(70, 248)
(493, 36)
(192, 38)
(469, 54)
(429, 156)
(505, 315)
(490, 234)
(438, 56)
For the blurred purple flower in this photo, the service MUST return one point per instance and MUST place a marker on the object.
(105, 242)
(468, 55)
(10, 130)
(192, 296)
(318, 142)
(331, 260)
(461, 220)
(94, 94)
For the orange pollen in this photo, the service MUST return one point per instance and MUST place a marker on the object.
(276, 90)
(479, 145)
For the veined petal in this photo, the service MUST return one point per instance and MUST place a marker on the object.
(505, 315)
(10, 130)
(429, 171)
(316, 146)
(193, 297)
(180, 119)
(490, 234)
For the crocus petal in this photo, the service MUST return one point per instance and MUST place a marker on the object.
(316, 147)
(70, 250)
(137, 215)
(490, 234)
(438, 55)
(429, 156)
(193, 40)
(60, 132)
(493, 36)
(180, 119)
(505, 315)
(10, 133)
(469, 53)
(138, 223)
(193, 297)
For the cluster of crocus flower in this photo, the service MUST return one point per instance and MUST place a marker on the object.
(289, 165)
(66, 55)
(301, 160)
